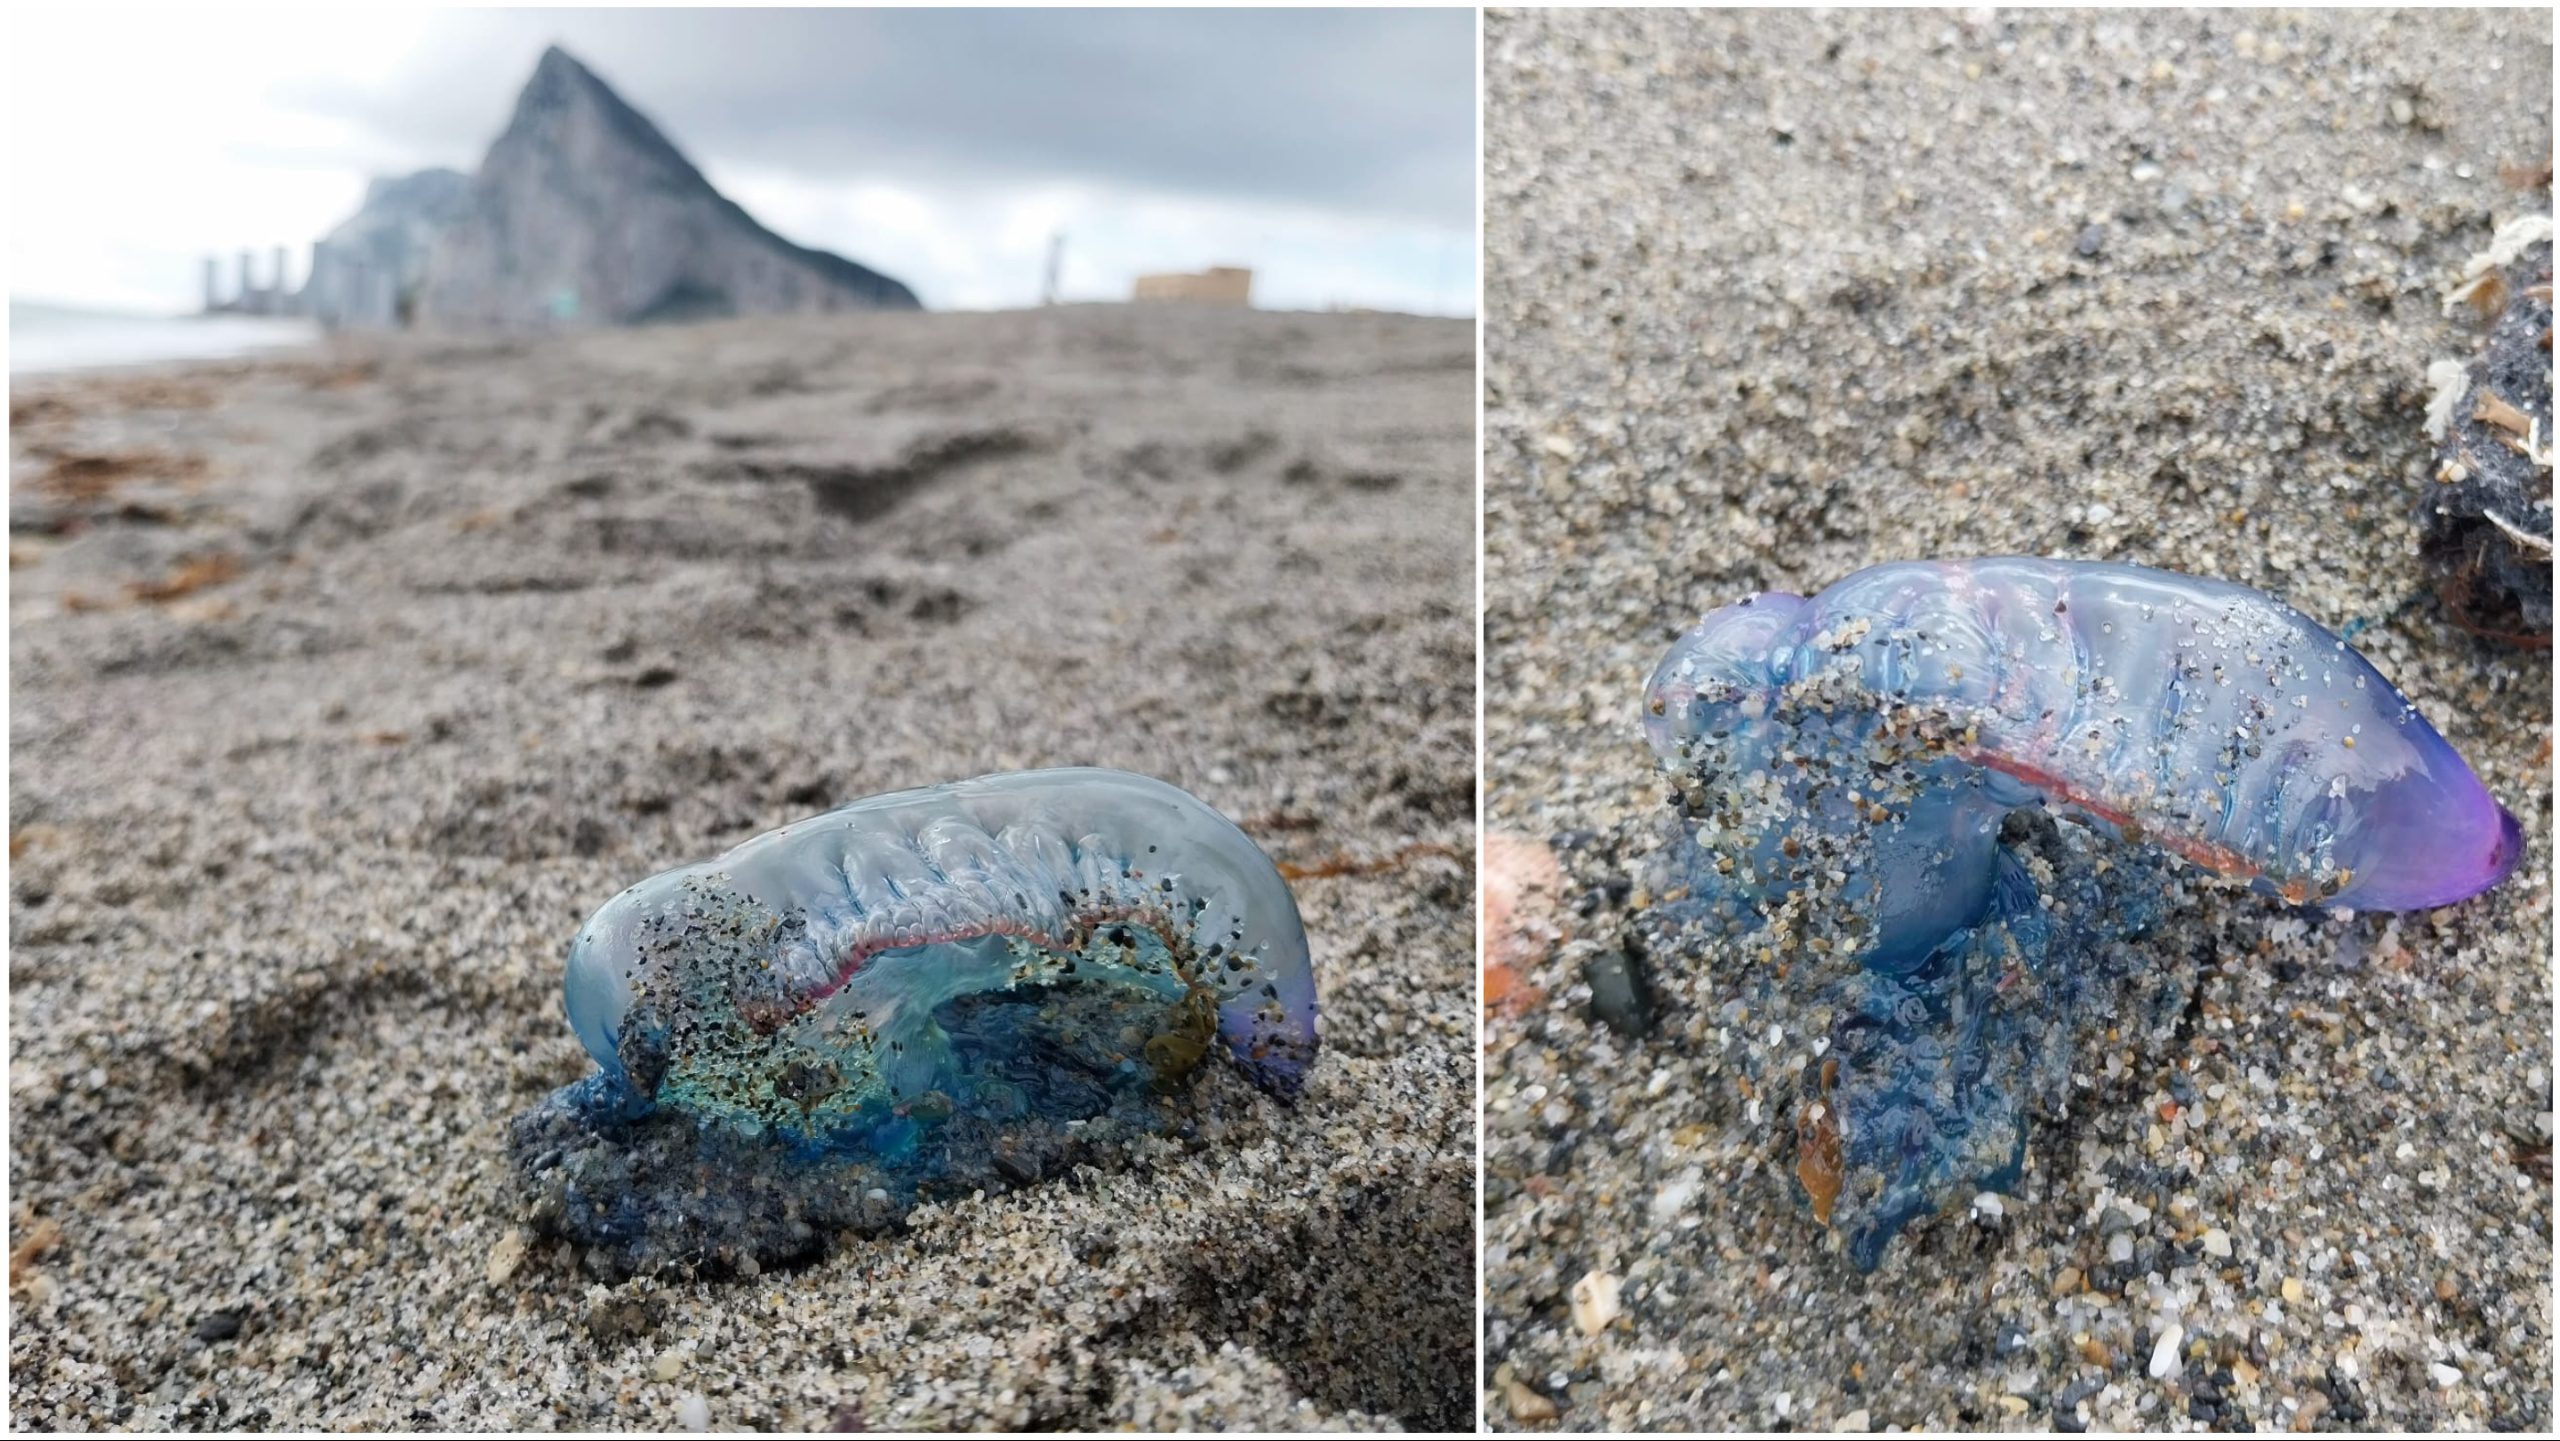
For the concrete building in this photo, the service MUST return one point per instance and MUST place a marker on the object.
(1217, 285)
(252, 298)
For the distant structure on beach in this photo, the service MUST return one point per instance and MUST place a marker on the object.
(582, 215)
(1217, 285)
(251, 298)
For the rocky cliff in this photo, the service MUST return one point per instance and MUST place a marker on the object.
(366, 272)
(583, 214)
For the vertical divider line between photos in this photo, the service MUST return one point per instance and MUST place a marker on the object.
(1476, 962)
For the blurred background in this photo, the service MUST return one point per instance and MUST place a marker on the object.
(307, 168)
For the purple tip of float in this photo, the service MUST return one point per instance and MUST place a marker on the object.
(2447, 855)
(2464, 866)
(2460, 882)
(2502, 862)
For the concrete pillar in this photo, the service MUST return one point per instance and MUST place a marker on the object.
(212, 283)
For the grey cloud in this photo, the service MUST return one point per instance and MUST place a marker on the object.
(1359, 112)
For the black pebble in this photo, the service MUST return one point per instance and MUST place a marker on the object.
(1619, 996)
(218, 1326)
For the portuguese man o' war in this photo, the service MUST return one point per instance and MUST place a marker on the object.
(920, 993)
(1861, 775)
(2212, 719)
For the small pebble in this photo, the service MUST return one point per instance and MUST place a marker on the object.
(505, 1257)
(218, 1326)
(1675, 1196)
(1526, 1404)
(1595, 1302)
(2164, 1352)
(1619, 996)
(693, 1413)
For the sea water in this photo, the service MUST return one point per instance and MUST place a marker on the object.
(45, 337)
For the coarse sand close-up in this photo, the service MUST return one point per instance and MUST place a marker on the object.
(1772, 297)
(346, 685)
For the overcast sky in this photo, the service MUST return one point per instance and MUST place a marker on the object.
(1333, 151)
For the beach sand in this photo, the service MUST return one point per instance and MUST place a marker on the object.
(1773, 297)
(345, 687)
